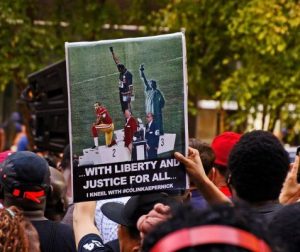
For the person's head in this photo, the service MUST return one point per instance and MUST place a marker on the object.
(17, 233)
(222, 146)
(127, 216)
(65, 163)
(65, 167)
(153, 84)
(97, 105)
(216, 228)
(121, 68)
(258, 165)
(207, 155)
(127, 113)
(284, 228)
(56, 200)
(25, 180)
(18, 127)
(149, 117)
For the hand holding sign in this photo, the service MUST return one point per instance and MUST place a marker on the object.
(290, 192)
(195, 170)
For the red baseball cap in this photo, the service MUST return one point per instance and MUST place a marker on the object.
(222, 146)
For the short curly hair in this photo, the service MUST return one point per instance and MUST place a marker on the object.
(258, 164)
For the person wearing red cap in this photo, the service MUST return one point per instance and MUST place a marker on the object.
(258, 165)
(222, 146)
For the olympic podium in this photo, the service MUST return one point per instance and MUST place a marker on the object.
(139, 150)
(119, 153)
(105, 155)
(166, 143)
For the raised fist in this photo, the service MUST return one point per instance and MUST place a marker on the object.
(142, 68)
(111, 49)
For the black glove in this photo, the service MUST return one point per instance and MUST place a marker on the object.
(111, 49)
(142, 68)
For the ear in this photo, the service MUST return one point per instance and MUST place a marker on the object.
(212, 175)
(49, 191)
(136, 248)
(188, 196)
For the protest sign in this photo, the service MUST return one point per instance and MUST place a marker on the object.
(127, 115)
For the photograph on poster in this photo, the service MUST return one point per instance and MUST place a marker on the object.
(128, 115)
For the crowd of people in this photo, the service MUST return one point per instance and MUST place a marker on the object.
(243, 196)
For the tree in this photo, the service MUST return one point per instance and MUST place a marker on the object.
(33, 33)
(205, 23)
(22, 44)
(245, 51)
(265, 38)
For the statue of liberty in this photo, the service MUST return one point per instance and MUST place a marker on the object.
(154, 100)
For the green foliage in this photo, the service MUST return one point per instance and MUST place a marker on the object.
(22, 43)
(265, 36)
(204, 23)
(246, 51)
(33, 32)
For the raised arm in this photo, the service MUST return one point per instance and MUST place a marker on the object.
(290, 192)
(143, 77)
(115, 58)
(83, 220)
(195, 170)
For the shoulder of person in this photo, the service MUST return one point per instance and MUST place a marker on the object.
(56, 235)
(63, 227)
